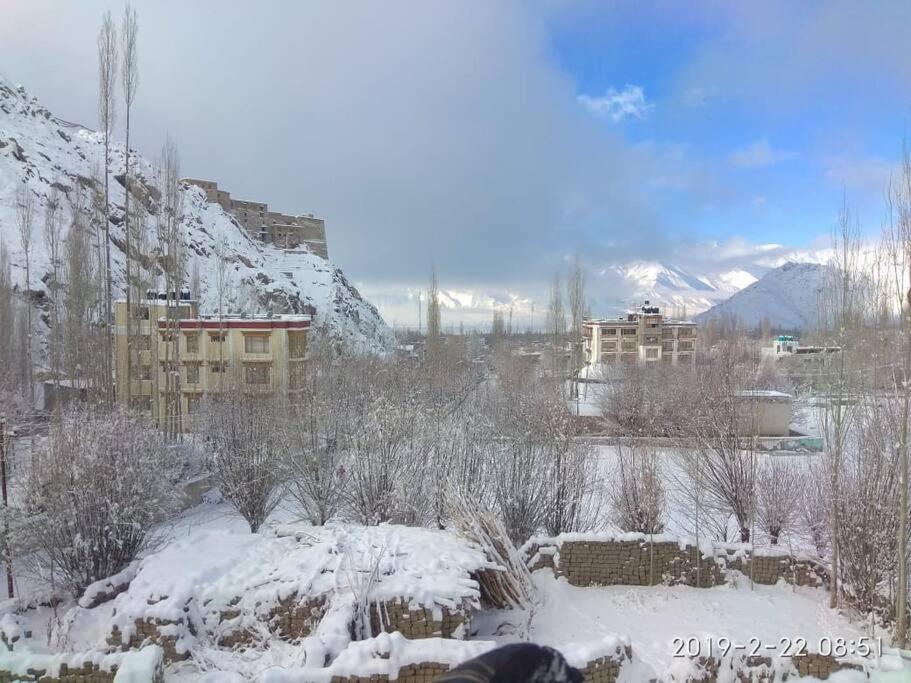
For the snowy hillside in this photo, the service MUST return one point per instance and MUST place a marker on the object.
(787, 296)
(677, 289)
(37, 146)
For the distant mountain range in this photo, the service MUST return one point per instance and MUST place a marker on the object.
(787, 296)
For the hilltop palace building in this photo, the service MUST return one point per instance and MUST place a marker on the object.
(177, 357)
(282, 230)
(643, 336)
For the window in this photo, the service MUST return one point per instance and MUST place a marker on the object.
(193, 374)
(145, 372)
(218, 368)
(143, 403)
(296, 375)
(256, 343)
(142, 342)
(609, 332)
(651, 354)
(192, 343)
(628, 331)
(167, 337)
(297, 344)
(217, 337)
(257, 374)
(142, 313)
(192, 405)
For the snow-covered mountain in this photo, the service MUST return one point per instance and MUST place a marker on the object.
(788, 296)
(679, 290)
(43, 149)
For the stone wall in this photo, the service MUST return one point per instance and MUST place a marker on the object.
(749, 669)
(149, 630)
(293, 618)
(87, 667)
(638, 562)
(415, 621)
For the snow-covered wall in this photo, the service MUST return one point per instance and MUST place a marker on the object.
(41, 149)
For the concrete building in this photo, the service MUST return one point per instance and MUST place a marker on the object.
(178, 353)
(763, 413)
(282, 230)
(644, 335)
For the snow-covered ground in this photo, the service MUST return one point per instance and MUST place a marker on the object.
(650, 618)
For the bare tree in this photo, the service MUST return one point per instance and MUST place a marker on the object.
(53, 239)
(129, 80)
(107, 77)
(575, 294)
(434, 340)
(95, 491)
(898, 246)
(839, 313)
(556, 327)
(637, 496)
(778, 497)
(25, 218)
(315, 448)
(244, 434)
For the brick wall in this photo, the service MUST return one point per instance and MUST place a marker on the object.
(417, 621)
(641, 563)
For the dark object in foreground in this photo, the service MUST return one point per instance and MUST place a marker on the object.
(517, 663)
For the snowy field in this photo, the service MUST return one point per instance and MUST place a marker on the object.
(650, 618)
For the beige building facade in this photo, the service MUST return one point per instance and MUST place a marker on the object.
(643, 336)
(177, 357)
(282, 230)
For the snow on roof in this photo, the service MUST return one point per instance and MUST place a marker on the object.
(764, 393)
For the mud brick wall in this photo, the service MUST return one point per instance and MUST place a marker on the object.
(291, 619)
(416, 622)
(605, 669)
(769, 569)
(820, 666)
(147, 629)
(630, 563)
(87, 673)
(760, 669)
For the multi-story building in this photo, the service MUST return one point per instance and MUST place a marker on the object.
(178, 356)
(282, 230)
(644, 335)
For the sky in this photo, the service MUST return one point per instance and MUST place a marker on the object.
(496, 141)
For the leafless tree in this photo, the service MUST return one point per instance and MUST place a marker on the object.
(129, 80)
(315, 446)
(840, 314)
(575, 294)
(53, 239)
(25, 218)
(719, 460)
(556, 327)
(779, 492)
(244, 436)
(434, 339)
(107, 78)
(95, 491)
(637, 495)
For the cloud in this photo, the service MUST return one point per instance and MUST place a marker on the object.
(451, 136)
(758, 154)
(759, 201)
(871, 173)
(618, 105)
